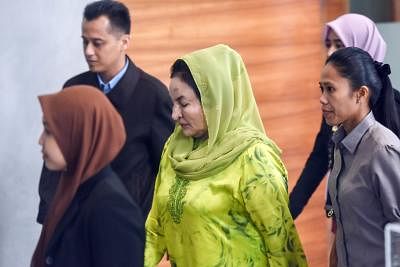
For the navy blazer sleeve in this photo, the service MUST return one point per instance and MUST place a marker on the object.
(161, 128)
(315, 169)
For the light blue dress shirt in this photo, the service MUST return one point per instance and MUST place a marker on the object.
(107, 87)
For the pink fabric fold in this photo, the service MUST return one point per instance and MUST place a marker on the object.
(359, 31)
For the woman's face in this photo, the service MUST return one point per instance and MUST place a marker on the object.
(332, 42)
(339, 103)
(187, 109)
(52, 155)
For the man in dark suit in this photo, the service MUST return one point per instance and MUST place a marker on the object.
(141, 99)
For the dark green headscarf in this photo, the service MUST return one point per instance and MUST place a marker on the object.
(233, 120)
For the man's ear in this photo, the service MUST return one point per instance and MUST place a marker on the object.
(125, 39)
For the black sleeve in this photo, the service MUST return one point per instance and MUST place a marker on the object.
(396, 94)
(117, 234)
(314, 171)
(162, 125)
(47, 188)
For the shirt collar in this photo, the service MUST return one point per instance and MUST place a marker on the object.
(107, 87)
(351, 141)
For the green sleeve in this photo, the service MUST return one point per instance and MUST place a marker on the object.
(155, 246)
(264, 191)
(155, 242)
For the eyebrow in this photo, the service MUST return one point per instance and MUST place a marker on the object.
(91, 39)
(333, 40)
(325, 83)
(180, 98)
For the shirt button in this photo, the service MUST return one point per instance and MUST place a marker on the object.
(49, 260)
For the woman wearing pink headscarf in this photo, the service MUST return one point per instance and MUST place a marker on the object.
(345, 31)
(354, 30)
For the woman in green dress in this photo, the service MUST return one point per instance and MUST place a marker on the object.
(221, 192)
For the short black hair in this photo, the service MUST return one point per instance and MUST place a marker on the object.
(115, 11)
(181, 70)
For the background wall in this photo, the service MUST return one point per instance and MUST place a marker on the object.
(378, 11)
(40, 47)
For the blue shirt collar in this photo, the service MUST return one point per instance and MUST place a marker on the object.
(107, 87)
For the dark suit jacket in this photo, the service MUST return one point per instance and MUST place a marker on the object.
(145, 107)
(101, 227)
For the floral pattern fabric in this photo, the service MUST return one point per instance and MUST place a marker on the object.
(238, 217)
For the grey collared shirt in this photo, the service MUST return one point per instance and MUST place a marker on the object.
(364, 186)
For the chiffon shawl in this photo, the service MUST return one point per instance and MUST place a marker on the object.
(232, 116)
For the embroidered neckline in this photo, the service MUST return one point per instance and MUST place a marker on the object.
(175, 199)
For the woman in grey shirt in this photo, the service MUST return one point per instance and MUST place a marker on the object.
(364, 184)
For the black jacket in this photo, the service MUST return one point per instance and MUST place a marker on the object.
(145, 107)
(101, 227)
(317, 166)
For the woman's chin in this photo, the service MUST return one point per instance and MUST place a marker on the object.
(187, 132)
(53, 167)
(334, 125)
(330, 120)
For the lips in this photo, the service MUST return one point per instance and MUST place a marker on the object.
(184, 125)
(91, 62)
(324, 110)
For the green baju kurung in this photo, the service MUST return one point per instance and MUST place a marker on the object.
(222, 202)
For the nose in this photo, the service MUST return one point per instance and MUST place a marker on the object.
(88, 49)
(331, 50)
(41, 138)
(176, 113)
(322, 99)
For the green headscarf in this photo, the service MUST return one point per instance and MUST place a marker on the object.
(233, 120)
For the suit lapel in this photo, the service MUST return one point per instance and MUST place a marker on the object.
(124, 89)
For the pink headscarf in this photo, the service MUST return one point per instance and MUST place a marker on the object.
(359, 31)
